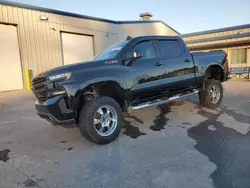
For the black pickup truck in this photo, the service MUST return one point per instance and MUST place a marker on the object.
(133, 74)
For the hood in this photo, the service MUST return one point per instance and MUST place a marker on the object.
(74, 67)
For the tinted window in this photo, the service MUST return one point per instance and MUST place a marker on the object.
(146, 49)
(170, 48)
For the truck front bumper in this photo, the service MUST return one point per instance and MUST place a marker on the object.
(55, 111)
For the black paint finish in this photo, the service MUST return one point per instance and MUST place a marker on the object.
(4, 155)
(136, 80)
(228, 149)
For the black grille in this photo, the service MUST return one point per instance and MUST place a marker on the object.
(40, 89)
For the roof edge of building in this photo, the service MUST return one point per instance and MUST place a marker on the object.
(216, 30)
(64, 13)
(220, 45)
(170, 27)
(54, 11)
(225, 37)
(147, 21)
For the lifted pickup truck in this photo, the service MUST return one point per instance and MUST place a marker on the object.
(133, 74)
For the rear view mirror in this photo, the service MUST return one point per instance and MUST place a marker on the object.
(136, 54)
(130, 56)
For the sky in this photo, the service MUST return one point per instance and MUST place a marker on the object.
(185, 16)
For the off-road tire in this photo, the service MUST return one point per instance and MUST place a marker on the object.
(86, 120)
(204, 94)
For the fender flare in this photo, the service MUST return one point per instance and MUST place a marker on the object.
(96, 81)
(214, 64)
(75, 91)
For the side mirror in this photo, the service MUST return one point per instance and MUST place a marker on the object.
(130, 56)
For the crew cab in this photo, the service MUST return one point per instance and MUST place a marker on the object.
(133, 74)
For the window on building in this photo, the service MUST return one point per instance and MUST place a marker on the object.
(239, 56)
(170, 48)
(146, 49)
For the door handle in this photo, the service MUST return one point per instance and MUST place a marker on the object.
(187, 60)
(158, 64)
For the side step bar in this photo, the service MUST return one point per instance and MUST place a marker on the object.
(162, 101)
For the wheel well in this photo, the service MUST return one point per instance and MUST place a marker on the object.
(214, 72)
(108, 88)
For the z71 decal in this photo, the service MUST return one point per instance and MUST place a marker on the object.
(109, 62)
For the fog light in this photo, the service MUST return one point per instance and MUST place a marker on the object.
(58, 92)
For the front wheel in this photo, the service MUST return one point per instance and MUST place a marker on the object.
(100, 120)
(212, 95)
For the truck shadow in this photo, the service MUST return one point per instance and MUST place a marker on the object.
(225, 147)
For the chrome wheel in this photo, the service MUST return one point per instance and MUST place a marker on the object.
(105, 120)
(214, 94)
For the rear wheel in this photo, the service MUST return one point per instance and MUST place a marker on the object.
(100, 120)
(212, 95)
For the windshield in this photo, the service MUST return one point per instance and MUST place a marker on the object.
(112, 51)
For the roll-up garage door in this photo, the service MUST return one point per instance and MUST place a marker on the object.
(10, 65)
(77, 48)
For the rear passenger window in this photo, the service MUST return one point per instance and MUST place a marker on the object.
(170, 48)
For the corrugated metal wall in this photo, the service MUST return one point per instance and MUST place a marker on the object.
(217, 34)
(40, 42)
(144, 29)
(226, 49)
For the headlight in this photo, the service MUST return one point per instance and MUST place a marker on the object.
(63, 76)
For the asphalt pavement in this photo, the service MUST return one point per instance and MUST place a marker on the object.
(179, 144)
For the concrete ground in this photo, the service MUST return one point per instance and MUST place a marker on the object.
(174, 145)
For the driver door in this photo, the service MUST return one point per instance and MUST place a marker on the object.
(148, 72)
